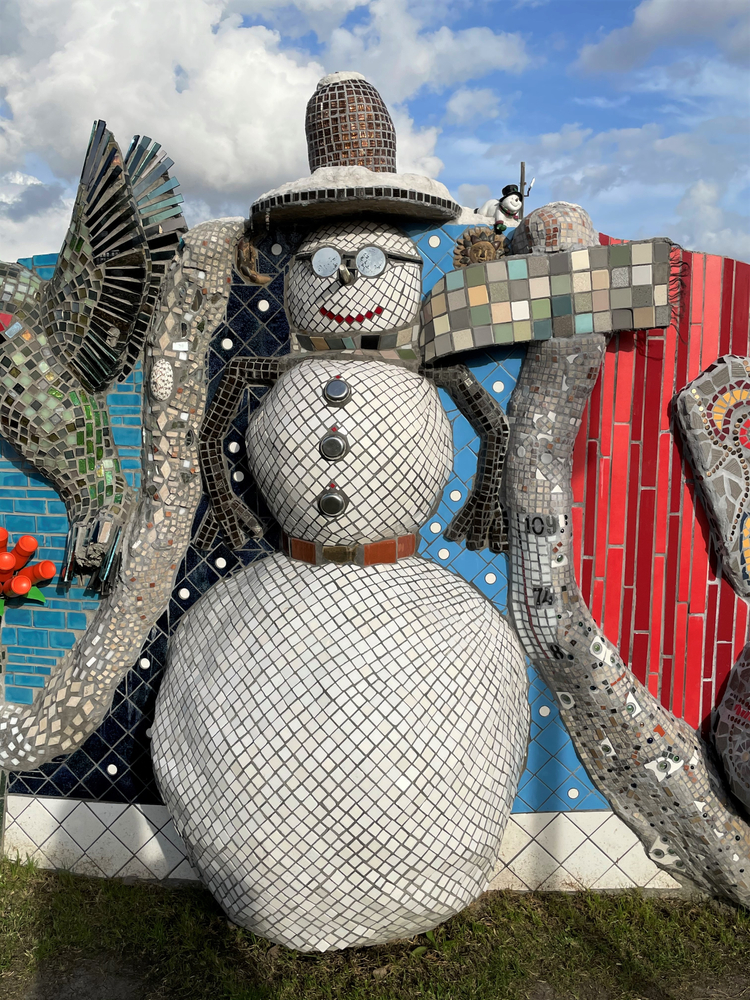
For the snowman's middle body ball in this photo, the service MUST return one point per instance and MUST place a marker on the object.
(340, 745)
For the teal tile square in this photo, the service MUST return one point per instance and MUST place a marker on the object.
(562, 305)
(585, 323)
(542, 329)
(518, 269)
(454, 280)
(480, 315)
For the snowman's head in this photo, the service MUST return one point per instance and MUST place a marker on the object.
(355, 277)
(511, 204)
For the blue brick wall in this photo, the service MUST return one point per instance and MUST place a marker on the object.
(36, 636)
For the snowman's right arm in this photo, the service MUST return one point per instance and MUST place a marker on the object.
(225, 510)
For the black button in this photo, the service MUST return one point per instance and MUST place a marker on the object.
(336, 391)
(333, 446)
(332, 503)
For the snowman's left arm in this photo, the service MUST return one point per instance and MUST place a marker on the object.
(481, 520)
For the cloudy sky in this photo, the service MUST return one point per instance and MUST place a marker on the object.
(636, 110)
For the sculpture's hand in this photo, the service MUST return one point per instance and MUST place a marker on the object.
(480, 522)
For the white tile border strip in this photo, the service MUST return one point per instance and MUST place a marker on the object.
(554, 850)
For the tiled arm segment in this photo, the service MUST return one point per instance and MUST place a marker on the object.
(654, 770)
(481, 520)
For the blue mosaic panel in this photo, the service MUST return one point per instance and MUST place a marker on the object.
(554, 778)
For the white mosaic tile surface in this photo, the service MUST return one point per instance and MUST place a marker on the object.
(564, 851)
(366, 769)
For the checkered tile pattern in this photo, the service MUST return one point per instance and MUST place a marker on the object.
(353, 786)
(398, 460)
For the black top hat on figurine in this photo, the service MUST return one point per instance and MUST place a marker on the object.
(508, 190)
(351, 147)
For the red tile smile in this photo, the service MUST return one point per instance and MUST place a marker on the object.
(359, 318)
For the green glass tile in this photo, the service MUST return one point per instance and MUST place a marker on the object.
(99, 454)
(74, 397)
(118, 498)
(87, 412)
(108, 477)
(541, 309)
(619, 256)
(475, 275)
(454, 280)
(109, 491)
(89, 447)
(82, 465)
(585, 323)
(84, 397)
(89, 430)
(98, 437)
(79, 438)
(56, 393)
(542, 329)
(115, 465)
(406, 353)
(560, 284)
(480, 315)
(517, 269)
(562, 305)
(499, 291)
(503, 333)
(92, 463)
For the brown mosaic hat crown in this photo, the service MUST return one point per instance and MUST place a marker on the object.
(348, 124)
(351, 145)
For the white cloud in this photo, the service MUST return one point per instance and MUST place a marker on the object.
(473, 195)
(705, 226)
(466, 105)
(227, 101)
(33, 215)
(603, 103)
(656, 23)
(391, 50)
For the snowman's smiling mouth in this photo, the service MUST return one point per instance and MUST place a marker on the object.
(359, 318)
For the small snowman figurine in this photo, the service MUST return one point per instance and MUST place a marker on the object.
(506, 210)
(342, 724)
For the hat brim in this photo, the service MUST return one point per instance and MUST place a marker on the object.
(325, 203)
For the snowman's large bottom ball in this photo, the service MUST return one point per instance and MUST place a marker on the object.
(340, 747)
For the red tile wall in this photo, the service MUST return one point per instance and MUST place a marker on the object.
(643, 555)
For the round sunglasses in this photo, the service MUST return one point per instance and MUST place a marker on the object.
(370, 262)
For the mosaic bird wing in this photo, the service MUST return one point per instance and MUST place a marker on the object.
(126, 224)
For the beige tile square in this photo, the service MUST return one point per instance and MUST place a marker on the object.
(441, 325)
(533, 865)
(642, 274)
(643, 318)
(582, 281)
(587, 864)
(599, 279)
(462, 340)
(561, 837)
(522, 331)
(642, 253)
(539, 287)
(600, 300)
(439, 305)
(660, 295)
(478, 295)
(580, 260)
(514, 841)
(501, 312)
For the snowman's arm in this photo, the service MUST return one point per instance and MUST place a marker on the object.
(481, 521)
(225, 511)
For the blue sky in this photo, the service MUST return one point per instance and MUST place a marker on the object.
(636, 109)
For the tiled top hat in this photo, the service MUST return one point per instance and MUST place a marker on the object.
(351, 146)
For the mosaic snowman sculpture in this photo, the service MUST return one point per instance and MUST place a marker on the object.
(342, 724)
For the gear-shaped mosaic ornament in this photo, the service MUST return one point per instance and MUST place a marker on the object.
(478, 245)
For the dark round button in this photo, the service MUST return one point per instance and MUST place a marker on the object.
(336, 391)
(332, 503)
(333, 446)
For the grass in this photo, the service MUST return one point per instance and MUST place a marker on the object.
(504, 947)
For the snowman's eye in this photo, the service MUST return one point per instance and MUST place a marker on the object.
(325, 262)
(371, 261)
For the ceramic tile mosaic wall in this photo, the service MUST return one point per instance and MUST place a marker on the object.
(554, 778)
(351, 690)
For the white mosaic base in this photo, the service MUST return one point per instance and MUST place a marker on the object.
(561, 851)
(367, 769)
